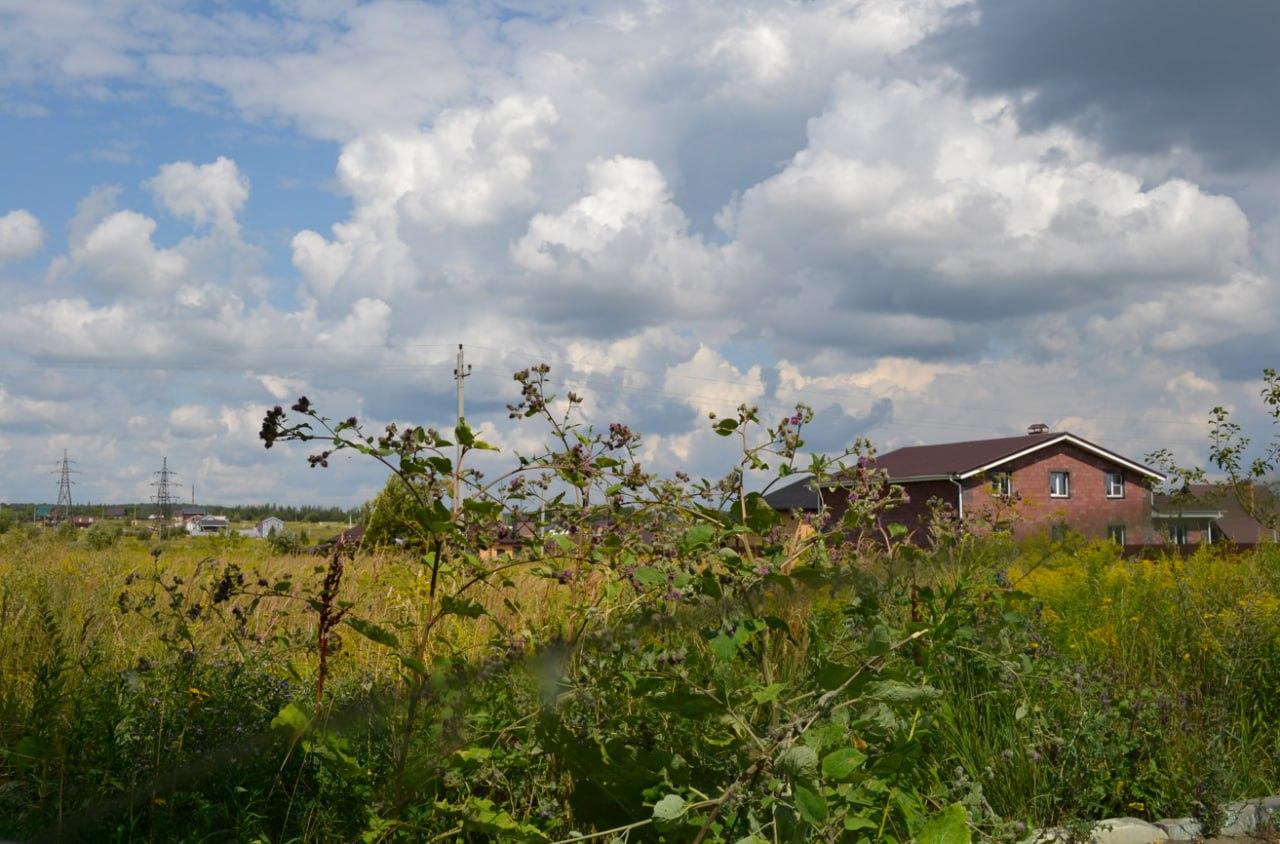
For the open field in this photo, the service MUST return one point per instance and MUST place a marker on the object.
(1055, 682)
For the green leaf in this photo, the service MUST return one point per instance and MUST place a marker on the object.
(413, 664)
(464, 434)
(768, 693)
(897, 529)
(649, 576)
(761, 518)
(839, 764)
(893, 691)
(725, 427)
(293, 719)
(482, 508)
(811, 805)
(465, 607)
(951, 826)
(697, 536)
(799, 762)
(669, 808)
(373, 632)
(724, 646)
(879, 642)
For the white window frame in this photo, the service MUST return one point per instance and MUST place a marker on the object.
(1117, 534)
(1066, 485)
(1179, 534)
(1116, 490)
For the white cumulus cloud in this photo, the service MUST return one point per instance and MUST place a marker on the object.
(206, 194)
(20, 236)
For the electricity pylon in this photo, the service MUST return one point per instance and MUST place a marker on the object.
(62, 510)
(164, 486)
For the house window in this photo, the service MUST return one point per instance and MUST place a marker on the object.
(1179, 533)
(1116, 534)
(1001, 484)
(1059, 484)
(1115, 484)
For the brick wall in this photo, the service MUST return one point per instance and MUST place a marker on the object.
(1087, 509)
(914, 513)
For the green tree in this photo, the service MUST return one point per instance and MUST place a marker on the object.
(392, 516)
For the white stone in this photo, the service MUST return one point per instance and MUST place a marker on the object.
(1241, 818)
(1268, 809)
(1180, 829)
(1126, 831)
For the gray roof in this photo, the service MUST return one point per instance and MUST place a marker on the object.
(798, 495)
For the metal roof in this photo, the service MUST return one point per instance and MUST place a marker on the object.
(972, 457)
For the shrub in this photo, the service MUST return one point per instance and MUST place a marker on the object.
(102, 536)
(287, 542)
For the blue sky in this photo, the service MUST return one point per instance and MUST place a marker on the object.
(931, 219)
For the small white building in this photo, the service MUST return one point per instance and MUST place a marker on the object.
(268, 527)
(208, 524)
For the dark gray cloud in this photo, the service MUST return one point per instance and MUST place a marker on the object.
(1142, 75)
(833, 430)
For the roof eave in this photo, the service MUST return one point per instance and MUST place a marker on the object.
(1078, 443)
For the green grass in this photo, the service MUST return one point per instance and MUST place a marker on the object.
(1094, 687)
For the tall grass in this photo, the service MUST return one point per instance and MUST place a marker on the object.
(1156, 693)
(1076, 684)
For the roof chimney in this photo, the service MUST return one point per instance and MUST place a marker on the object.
(1038, 428)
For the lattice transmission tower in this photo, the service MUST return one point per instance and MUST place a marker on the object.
(62, 510)
(165, 485)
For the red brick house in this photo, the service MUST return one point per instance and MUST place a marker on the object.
(1054, 479)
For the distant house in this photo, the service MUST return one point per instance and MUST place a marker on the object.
(82, 521)
(1201, 513)
(1058, 480)
(207, 525)
(351, 537)
(268, 527)
(43, 512)
(191, 512)
(115, 512)
(513, 538)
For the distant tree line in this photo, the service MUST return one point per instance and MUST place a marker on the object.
(25, 511)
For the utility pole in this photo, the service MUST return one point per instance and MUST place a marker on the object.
(460, 373)
(62, 510)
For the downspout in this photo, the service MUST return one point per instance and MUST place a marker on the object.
(959, 495)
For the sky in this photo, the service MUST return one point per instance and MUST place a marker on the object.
(930, 220)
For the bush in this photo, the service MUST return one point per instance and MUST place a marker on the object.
(286, 542)
(102, 536)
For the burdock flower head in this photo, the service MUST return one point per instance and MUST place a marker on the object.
(302, 405)
(271, 425)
